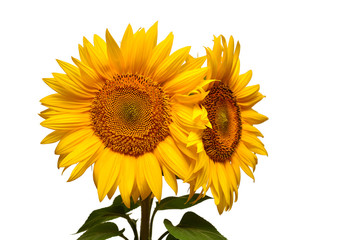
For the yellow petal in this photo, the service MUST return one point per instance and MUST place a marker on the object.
(185, 82)
(153, 174)
(180, 136)
(109, 169)
(98, 61)
(126, 42)
(66, 87)
(172, 158)
(212, 64)
(81, 167)
(116, 58)
(232, 178)
(170, 66)
(141, 181)
(53, 137)
(136, 58)
(241, 82)
(48, 113)
(82, 152)
(149, 45)
(194, 63)
(254, 144)
(100, 46)
(223, 181)
(71, 140)
(62, 103)
(252, 117)
(89, 77)
(67, 121)
(170, 179)
(245, 104)
(194, 98)
(127, 171)
(159, 53)
(245, 155)
(248, 92)
(247, 170)
(215, 189)
(251, 129)
(236, 167)
(71, 71)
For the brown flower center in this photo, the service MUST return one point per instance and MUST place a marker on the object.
(131, 114)
(221, 141)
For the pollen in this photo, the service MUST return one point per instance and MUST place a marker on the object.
(221, 141)
(131, 114)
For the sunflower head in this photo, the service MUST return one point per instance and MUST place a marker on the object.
(121, 109)
(232, 142)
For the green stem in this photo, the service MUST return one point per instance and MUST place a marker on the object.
(145, 218)
(164, 234)
(124, 237)
(133, 226)
(152, 221)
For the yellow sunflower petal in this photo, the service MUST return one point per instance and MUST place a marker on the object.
(142, 183)
(171, 65)
(251, 129)
(254, 144)
(109, 168)
(62, 103)
(81, 167)
(186, 81)
(98, 60)
(126, 42)
(90, 78)
(241, 82)
(193, 64)
(67, 121)
(223, 181)
(159, 53)
(115, 55)
(171, 157)
(83, 151)
(250, 102)
(252, 117)
(152, 172)
(53, 137)
(170, 178)
(127, 171)
(245, 155)
(72, 139)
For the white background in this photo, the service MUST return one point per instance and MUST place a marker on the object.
(305, 55)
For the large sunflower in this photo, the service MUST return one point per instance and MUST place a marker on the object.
(232, 142)
(120, 107)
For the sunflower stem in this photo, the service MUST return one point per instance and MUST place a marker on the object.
(152, 222)
(145, 219)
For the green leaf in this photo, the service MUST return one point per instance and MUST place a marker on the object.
(193, 227)
(101, 232)
(179, 202)
(116, 210)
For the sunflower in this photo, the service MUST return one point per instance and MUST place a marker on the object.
(231, 142)
(119, 109)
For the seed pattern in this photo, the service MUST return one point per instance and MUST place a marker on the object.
(221, 141)
(131, 114)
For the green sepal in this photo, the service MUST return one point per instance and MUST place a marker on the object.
(192, 227)
(179, 202)
(102, 231)
(116, 210)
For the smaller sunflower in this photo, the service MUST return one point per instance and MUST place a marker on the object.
(230, 142)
